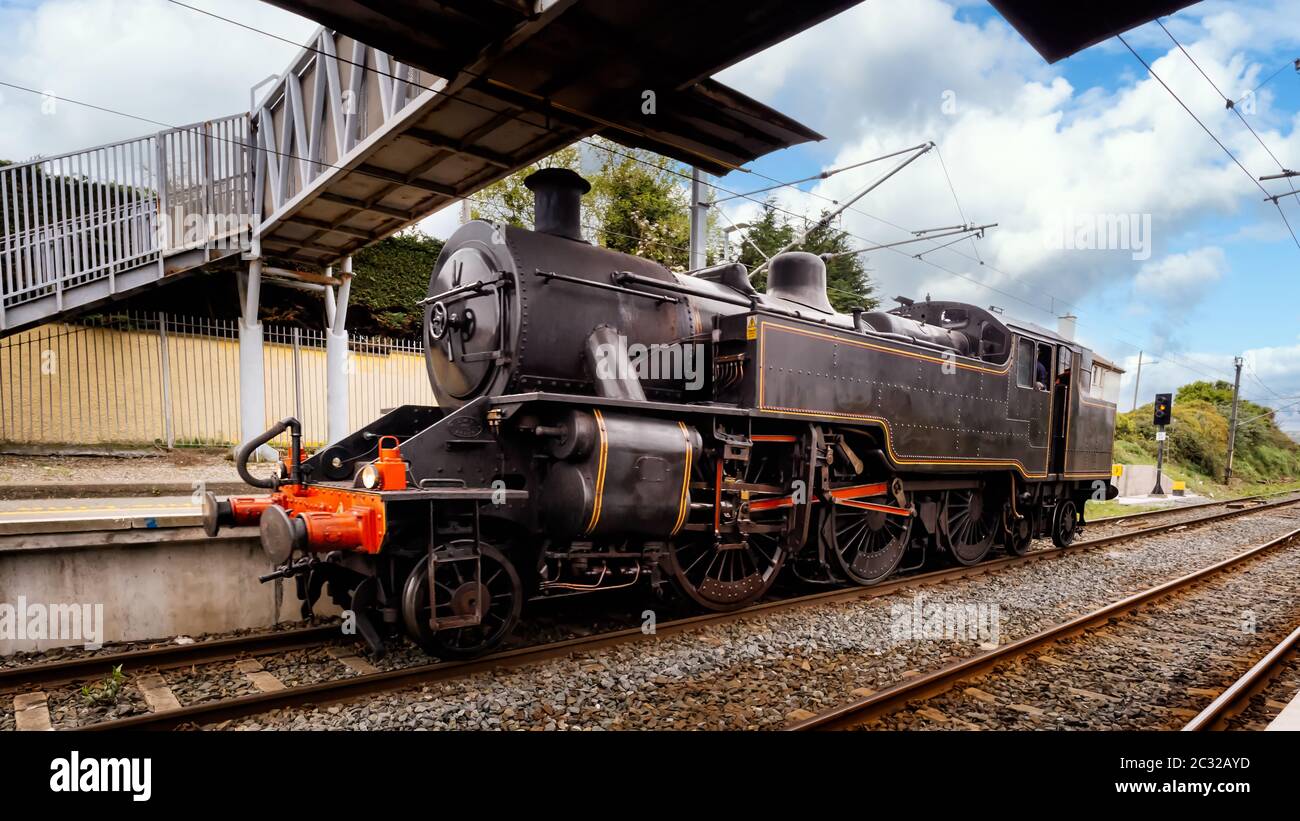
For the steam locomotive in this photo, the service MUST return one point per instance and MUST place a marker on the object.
(603, 422)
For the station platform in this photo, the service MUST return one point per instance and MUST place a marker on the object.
(145, 559)
(33, 516)
(1289, 718)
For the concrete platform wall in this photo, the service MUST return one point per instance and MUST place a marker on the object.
(1138, 480)
(152, 583)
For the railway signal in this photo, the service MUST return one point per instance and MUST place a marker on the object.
(1164, 414)
(1164, 409)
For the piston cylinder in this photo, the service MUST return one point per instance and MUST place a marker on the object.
(620, 475)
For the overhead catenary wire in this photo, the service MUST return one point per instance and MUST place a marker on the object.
(1212, 135)
(938, 152)
(1232, 106)
(825, 175)
(597, 146)
(749, 171)
(1271, 77)
(916, 153)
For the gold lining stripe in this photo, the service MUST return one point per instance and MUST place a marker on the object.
(938, 360)
(684, 504)
(600, 472)
(884, 423)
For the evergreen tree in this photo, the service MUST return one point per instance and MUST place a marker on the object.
(847, 283)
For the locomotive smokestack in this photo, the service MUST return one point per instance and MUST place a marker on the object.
(557, 201)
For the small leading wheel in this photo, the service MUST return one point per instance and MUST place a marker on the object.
(868, 545)
(967, 526)
(1065, 523)
(1020, 535)
(497, 591)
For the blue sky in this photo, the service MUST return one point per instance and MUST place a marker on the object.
(1026, 144)
(1221, 278)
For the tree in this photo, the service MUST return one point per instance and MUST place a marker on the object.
(510, 201)
(391, 277)
(642, 207)
(847, 283)
(638, 204)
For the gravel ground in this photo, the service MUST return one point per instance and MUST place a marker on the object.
(298, 667)
(197, 684)
(1265, 705)
(66, 653)
(760, 671)
(1150, 670)
(159, 466)
(68, 708)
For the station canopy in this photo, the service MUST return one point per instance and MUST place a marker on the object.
(563, 70)
(1059, 28)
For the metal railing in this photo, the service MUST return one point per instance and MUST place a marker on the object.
(156, 378)
(92, 214)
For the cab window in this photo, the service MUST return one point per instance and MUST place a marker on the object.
(1025, 363)
(1043, 369)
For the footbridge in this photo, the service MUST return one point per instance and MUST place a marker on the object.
(354, 142)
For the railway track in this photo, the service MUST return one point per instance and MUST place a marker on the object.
(1044, 663)
(1261, 680)
(19, 679)
(1176, 509)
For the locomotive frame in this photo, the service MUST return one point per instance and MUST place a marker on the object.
(830, 448)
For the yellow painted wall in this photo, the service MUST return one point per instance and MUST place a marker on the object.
(64, 384)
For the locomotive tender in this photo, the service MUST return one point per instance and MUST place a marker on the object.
(604, 422)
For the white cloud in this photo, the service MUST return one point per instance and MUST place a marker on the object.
(144, 57)
(1180, 280)
(1024, 147)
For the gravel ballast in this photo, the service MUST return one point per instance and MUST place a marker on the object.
(761, 671)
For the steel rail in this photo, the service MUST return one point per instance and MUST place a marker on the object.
(1237, 696)
(892, 698)
(351, 687)
(1126, 517)
(217, 650)
(165, 657)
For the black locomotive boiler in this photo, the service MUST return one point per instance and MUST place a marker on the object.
(604, 422)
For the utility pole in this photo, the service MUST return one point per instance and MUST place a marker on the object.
(699, 220)
(1137, 381)
(1232, 426)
